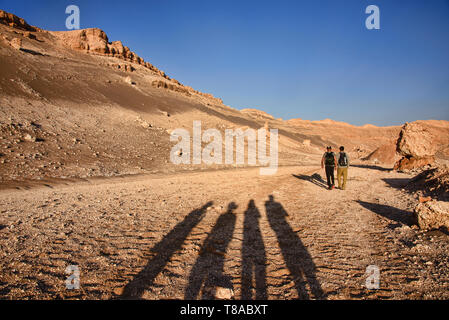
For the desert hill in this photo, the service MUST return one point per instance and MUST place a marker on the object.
(74, 104)
(86, 181)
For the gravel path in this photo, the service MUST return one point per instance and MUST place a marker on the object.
(182, 235)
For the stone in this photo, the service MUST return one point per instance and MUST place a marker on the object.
(221, 293)
(416, 145)
(433, 182)
(129, 81)
(432, 215)
(424, 199)
(118, 291)
(29, 138)
(16, 43)
(415, 141)
(410, 163)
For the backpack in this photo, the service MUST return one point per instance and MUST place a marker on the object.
(329, 159)
(343, 159)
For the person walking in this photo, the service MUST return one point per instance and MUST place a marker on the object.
(342, 170)
(329, 162)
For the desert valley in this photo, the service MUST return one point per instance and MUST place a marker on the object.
(86, 180)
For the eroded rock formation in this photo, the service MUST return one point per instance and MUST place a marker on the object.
(96, 41)
(416, 146)
(14, 21)
(432, 215)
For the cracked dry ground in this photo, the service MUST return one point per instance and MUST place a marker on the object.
(177, 236)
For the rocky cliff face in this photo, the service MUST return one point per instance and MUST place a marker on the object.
(14, 21)
(432, 215)
(95, 41)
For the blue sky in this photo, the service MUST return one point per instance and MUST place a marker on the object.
(309, 59)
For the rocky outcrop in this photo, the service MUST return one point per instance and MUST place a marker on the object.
(432, 215)
(14, 21)
(170, 86)
(415, 141)
(432, 186)
(410, 163)
(258, 114)
(433, 182)
(96, 41)
(416, 146)
(207, 96)
(123, 67)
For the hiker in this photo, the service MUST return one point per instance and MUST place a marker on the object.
(342, 170)
(329, 161)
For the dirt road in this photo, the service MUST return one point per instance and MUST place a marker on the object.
(178, 236)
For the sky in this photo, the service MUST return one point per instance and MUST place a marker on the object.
(308, 59)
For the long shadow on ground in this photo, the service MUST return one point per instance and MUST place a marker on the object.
(164, 251)
(207, 273)
(389, 212)
(297, 258)
(314, 178)
(372, 167)
(253, 256)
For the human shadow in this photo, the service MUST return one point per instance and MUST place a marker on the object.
(314, 178)
(253, 256)
(296, 256)
(207, 273)
(389, 212)
(164, 251)
(372, 167)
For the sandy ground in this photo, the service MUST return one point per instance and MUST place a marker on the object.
(86, 180)
(176, 236)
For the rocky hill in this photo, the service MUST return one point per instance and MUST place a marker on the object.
(75, 104)
(86, 181)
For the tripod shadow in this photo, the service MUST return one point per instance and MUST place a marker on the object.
(297, 258)
(253, 256)
(207, 273)
(164, 251)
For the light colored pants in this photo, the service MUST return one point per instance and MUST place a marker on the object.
(342, 171)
